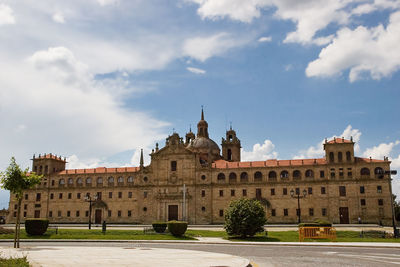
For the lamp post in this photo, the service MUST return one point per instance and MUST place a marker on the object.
(298, 196)
(395, 233)
(89, 199)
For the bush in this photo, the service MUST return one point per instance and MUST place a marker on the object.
(316, 223)
(244, 217)
(36, 226)
(177, 228)
(159, 227)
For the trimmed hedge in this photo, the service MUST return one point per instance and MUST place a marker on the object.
(36, 226)
(159, 227)
(177, 228)
(316, 223)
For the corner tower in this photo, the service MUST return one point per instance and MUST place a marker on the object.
(47, 164)
(339, 150)
(231, 146)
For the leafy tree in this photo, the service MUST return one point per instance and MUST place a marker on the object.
(396, 208)
(17, 181)
(244, 217)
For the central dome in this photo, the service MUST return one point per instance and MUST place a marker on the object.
(204, 145)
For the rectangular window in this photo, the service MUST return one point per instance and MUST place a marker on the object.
(379, 189)
(25, 206)
(203, 193)
(129, 194)
(109, 213)
(78, 195)
(24, 213)
(321, 174)
(60, 196)
(244, 192)
(68, 213)
(119, 194)
(50, 214)
(221, 213)
(99, 195)
(232, 192)
(284, 191)
(119, 213)
(297, 212)
(15, 206)
(272, 191)
(87, 213)
(15, 214)
(221, 193)
(323, 190)
(362, 189)
(258, 193)
(109, 194)
(38, 195)
(349, 174)
(145, 194)
(273, 212)
(69, 195)
(311, 211)
(362, 202)
(51, 196)
(332, 175)
(285, 212)
(323, 212)
(310, 190)
(129, 213)
(59, 213)
(77, 213)
(52, 182)
(26, 196)
(297, 191)
(173, 166)
(380, 202)
(342, 191)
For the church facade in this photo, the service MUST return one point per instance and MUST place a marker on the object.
(190, 179)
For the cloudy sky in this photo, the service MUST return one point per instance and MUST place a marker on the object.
(97, 80)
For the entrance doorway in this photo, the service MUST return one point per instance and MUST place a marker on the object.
(344, 215)
(172, 212)
(97, 217)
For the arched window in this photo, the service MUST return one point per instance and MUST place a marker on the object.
(79, 181)
(61, 182)
(110, 180)
(232, 177)
(120, 180)
(378, 170)
(272, 175)
(88, 180)
(284, 174)
(99, 180)
(229, 154)
(297, 174)
(331, 157)
(244, 177)
(257, 176)
(70, 181)
(365, 171)
(130, 179)
(340, 157)
(348, 156)
(221, 177)
(309, 174)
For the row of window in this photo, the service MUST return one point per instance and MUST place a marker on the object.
(79, 195)
(99, 180)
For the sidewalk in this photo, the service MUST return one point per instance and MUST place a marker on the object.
(127, 256)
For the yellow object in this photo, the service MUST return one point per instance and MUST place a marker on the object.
(317, 233)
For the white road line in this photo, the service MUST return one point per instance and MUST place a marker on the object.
(371, 258)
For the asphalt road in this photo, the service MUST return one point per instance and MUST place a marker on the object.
(270, 255)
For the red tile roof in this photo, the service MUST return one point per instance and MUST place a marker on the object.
(100, 170)
(49, 156)
(223, 164)
(340, 141)
(369, 160)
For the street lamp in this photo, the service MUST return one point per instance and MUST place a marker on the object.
(395, 233)
(298, 196)
(89, 199)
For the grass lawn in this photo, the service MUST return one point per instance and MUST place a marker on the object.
(282, 236)
(14, 262)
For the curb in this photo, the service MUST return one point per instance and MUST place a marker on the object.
(283, 244)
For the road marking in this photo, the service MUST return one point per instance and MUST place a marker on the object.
(371, 258)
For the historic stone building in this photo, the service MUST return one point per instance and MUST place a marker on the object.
(338, 187)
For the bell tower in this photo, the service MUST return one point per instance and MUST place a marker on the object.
(231, 146)
(202, 126)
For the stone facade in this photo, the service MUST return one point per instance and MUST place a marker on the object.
(339, 187)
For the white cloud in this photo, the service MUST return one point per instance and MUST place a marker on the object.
(265, 39)
(351, 49)
(6, 15)
(380, 151)
(107, 2)
(202, 48)
(318, 150)
(58, 17)
(260, 152)
(196, 70)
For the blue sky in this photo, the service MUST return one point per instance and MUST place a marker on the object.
(97, 80)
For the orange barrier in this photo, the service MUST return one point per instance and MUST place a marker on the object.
(317, 233)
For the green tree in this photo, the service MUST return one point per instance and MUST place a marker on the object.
(396, 205)
(244, 217)
(17, 181)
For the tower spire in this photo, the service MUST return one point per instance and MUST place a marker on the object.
(141, 158)
(202, 113)
(202, 126)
